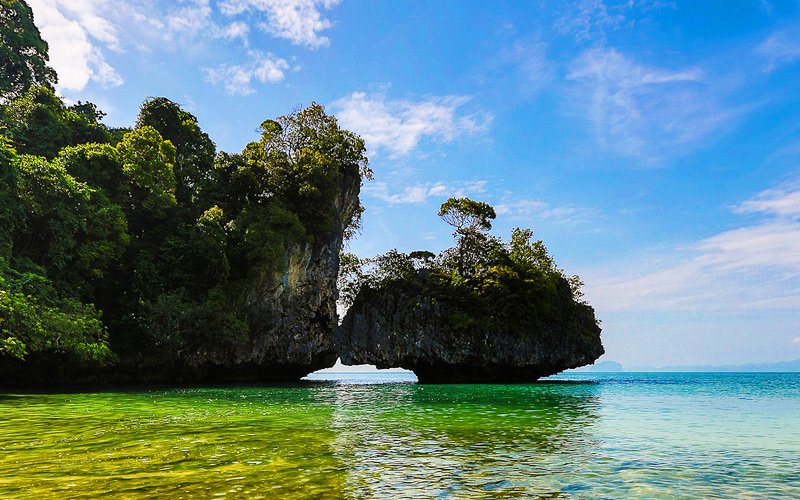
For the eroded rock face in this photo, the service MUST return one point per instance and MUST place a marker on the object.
(291, 312)
(401, 325)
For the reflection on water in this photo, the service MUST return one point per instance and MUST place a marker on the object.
(423, 441)
(620, 436)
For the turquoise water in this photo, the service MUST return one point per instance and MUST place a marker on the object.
(382, 436)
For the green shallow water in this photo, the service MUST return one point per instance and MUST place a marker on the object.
(583, 436)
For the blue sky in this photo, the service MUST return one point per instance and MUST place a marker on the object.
(653, 145)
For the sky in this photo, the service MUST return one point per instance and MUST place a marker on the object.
(654, 146)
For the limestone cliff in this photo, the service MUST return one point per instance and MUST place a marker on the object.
(402, 324)
(291, 311)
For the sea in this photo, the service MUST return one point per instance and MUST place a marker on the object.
(382, 435)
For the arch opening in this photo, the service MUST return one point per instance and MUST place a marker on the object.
(362, 374)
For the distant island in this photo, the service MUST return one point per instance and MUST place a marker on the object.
(613, 366)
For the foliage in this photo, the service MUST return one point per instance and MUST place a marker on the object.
(467, 215)
(64, 225)
(301, 159)
(9, 209)
(482, 282)
(149, 182)
(39, 123)
(195, 151)
(23, 53)
(145, 240)
(34, 319)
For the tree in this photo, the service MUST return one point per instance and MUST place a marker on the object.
(34, 320)
(194, 150)
(23, 53)
(39, 123)
(9, 208)
(65, 226)
(147, 163)
(467, 215)
(301, 159)
(35, 122)
(471, 219)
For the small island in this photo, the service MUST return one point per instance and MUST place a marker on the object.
(483, 311)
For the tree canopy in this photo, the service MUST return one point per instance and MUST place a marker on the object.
(482, 281)
(465, 214)
(139, 246)
(23, 53)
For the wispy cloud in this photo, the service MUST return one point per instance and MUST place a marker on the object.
(299, 21)
(587, 19)
(642, 111)
(782, 202)
(751, 267)
(191, 17)
(80, 32)
(593, 19)
(532, 210)
(420, 193)
(77, 34)
(237, 79)
(780, 48)
(399, 125)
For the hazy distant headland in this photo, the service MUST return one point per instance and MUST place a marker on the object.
(613, 366)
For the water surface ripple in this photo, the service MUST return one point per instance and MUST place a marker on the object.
(578, 436)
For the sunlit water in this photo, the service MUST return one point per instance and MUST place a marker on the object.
(582, 436)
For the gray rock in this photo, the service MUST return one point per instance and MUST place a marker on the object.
(402, 325)
(291, 312)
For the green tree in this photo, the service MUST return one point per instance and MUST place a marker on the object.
(194, 159)
(467, 215)
(471, 219)
(9, 208)
(35, 122)
(35, 320)
(98, 165)
(39, 123)
(66, 227)
(300, 159)
(23, 53)
(149, 182)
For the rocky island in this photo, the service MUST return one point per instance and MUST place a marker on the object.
(483, 311)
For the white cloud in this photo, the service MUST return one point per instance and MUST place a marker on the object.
(796, 340)
(399, 125)
(299, 21)
(640, 111)
(233, 30)
(752, 267)
(237, 79)
(420, 193)
(73, 31)
(193, 17)
(783, 202)
(98, 27)
(780, 48)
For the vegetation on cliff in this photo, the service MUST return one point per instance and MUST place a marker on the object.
(139, 245)
(483, 279)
